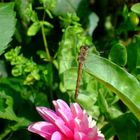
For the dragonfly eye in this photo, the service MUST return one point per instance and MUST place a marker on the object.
(85, 47)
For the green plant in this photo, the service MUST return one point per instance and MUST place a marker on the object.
(39, 45)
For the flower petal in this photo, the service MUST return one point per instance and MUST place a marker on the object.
(82, 124)
(64, 129)
(76, 109)
(67, 123)
(44, 129)
(49, 115)
(79, 136)
(100, 136)
(61, 105)
(68, 118)
(64, 111)
(58, 136)
(92, 133)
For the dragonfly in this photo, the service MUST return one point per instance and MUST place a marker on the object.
(68, 65)
(81, 58)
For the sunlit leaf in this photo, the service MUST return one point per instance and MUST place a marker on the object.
(7, 24)
(116, 79)
(136, 8)
(33, 29)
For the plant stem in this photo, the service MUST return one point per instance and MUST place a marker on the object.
(49, 58)
(45, 41)
(51, 82)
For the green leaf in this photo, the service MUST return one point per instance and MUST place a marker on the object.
(33, 29)
(118, 54)
(133, 51)
(22, 7)
(65, 6)
(7, 24)
(93, 22)
(124, 121)
(41, 100)
(107, 109)
(6, 111)
(69, 79)
(3, 72)
(108, 131)
(47, 24)
(136, 8)
(117, 80)
(87, 101)
(125, 12)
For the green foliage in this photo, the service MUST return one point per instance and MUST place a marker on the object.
(109, 74)
(133, 19)
(7, 24)
(118, 54)
(136, 8)
(134, 53)
(41, 63)
(23, 66)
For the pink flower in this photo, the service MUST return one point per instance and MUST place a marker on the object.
(66, 123)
